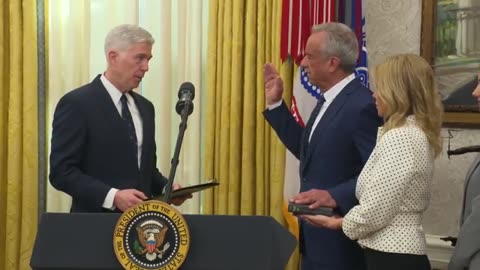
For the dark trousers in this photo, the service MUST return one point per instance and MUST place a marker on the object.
(378, 260)
(308, 264)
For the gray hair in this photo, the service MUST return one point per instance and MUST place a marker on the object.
(126, 35)
(341, 42)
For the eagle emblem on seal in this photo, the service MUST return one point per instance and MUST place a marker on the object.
(151, 237)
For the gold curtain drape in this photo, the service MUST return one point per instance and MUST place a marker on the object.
(241, 150)
(18, 133)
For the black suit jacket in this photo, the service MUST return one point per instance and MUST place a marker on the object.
(90, 151)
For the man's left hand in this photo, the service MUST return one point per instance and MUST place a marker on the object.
(315, 198)
(179, 200)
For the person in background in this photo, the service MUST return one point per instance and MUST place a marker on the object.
(466, 254)
(103, 151)
(333, 146)
(393, 188)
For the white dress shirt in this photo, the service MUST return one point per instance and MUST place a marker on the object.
(115, 94)
(393, 190)
(329, 96)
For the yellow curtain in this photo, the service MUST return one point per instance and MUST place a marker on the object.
(18, 133)
(241, 150)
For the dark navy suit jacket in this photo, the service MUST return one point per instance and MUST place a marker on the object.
(339, 148)
(90, 150)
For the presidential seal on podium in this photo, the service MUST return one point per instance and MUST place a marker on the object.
(151, 235)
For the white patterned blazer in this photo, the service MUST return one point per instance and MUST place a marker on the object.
(393, 190)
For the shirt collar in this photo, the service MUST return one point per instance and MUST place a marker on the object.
(113, 91)
(337, 88)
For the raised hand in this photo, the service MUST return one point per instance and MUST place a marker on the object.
(273, 84)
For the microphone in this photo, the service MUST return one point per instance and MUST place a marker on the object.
(184, 108)
(463, 150)
(186, 94)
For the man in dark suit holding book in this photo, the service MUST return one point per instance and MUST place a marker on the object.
(103, 140)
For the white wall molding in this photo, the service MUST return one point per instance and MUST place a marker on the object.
(439, 251)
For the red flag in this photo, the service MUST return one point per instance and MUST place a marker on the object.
(298, 17)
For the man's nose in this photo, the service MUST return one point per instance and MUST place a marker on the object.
(303, 63)
(144, 66)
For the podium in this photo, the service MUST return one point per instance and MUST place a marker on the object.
(85, 241)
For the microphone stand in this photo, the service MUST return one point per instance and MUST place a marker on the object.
(463, 150)
(183, 126)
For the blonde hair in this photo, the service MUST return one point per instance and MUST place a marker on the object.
(405, 83)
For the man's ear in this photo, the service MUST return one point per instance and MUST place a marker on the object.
(334, 63)
(112, 56)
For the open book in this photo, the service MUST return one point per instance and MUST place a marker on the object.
(190, 189)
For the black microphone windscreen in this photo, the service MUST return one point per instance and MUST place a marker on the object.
(187, 88)
(186, 94)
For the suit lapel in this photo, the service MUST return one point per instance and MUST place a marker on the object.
(148, 144)
(333, 110)
(106, 105)
(112, 118)
(147, 127)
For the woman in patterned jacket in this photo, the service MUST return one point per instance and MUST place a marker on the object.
(393, 188)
